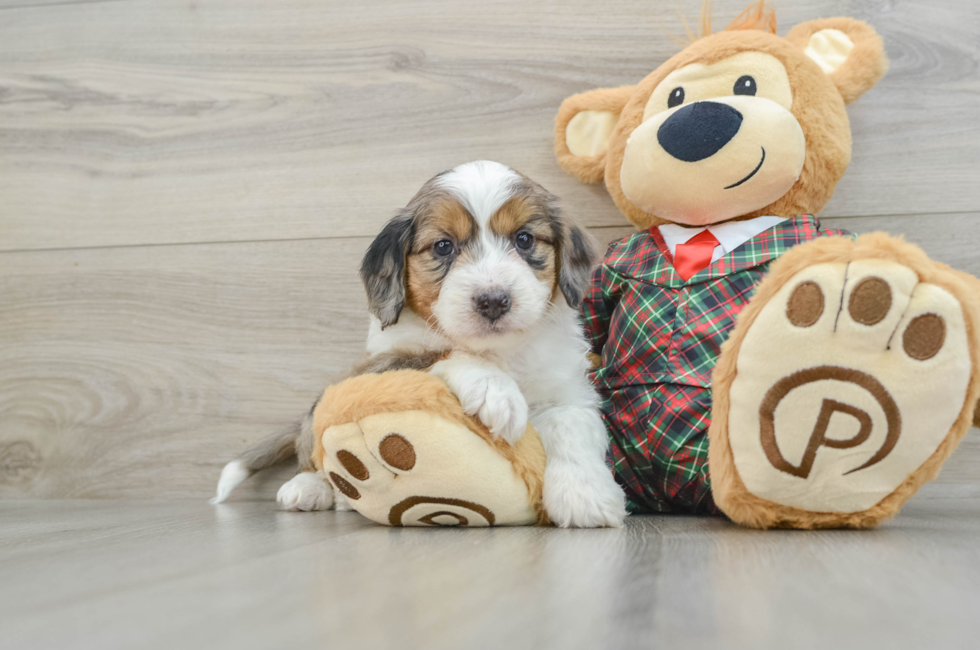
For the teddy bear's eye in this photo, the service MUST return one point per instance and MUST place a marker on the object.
(745, 85)
(676, 97)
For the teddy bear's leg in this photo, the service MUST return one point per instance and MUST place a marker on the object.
(400, 450)
(847, 382)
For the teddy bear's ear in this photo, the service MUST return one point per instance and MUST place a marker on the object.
(849, 51)
(583, 127)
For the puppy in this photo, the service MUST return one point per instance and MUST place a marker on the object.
(478, 279)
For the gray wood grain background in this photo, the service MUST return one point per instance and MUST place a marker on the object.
(186, 189)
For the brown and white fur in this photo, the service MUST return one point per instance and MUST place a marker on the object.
(478, 279)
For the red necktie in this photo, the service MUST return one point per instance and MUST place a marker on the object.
(695, 255)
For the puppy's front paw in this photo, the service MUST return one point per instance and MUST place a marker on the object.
(504, 409)
(306, 491)
(577, 496)
(498, 402)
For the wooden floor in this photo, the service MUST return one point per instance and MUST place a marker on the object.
(118, 574)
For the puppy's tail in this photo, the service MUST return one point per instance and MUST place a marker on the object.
(271, 451)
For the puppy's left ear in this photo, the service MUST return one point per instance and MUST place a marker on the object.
(848, 51)
(383, 268)
(578, 256)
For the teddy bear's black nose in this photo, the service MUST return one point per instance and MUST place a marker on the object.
(699, 130)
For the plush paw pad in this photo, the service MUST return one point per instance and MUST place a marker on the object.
(849, 379)
(414, 468)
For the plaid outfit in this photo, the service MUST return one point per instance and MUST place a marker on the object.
(659, 338)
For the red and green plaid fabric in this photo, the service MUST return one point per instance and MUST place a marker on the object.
(659, 338)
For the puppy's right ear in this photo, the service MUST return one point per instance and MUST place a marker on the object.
(583, 127)
(383, 268)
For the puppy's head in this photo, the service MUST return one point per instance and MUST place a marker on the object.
(481, 253)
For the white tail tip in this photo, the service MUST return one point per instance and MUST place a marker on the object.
(232, 476)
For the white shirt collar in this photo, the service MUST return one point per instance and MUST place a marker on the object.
(730, 234)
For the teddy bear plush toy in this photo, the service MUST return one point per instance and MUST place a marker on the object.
(751, 362)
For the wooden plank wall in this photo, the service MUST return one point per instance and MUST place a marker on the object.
(186, 189)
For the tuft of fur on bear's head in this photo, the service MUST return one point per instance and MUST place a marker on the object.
(740, 123)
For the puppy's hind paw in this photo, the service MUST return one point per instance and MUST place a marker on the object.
(307, 491)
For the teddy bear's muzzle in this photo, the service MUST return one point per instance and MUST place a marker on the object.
(713, 160)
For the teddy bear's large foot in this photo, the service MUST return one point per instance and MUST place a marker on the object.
(400, 448)
(847, 382)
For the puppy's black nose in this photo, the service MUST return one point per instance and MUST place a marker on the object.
(492, 305)
(699, 130)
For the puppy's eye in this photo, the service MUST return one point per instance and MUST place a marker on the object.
(676, 97)
(443, 248)
(524, 241)
(745, 86)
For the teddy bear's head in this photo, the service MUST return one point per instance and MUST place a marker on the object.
(739, 124)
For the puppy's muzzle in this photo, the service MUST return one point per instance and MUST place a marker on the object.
(492, 304)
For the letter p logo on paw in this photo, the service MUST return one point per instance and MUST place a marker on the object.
(820, 438)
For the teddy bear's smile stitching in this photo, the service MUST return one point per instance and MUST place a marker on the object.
(752, 173)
